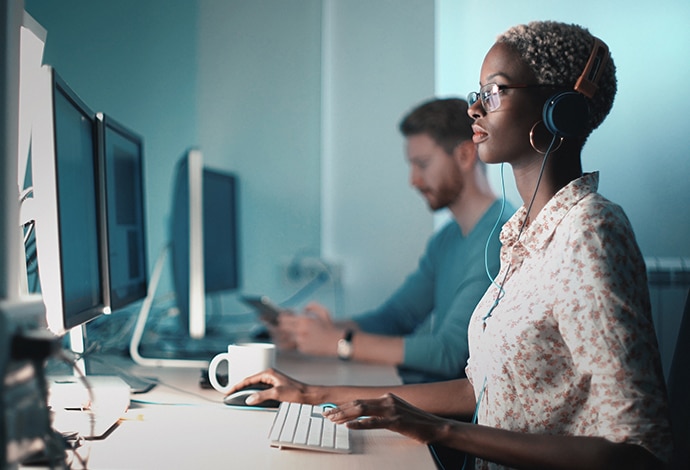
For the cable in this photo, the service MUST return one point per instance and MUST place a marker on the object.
(63, 357)
(25, 194)
(501, 292)
(493, 230)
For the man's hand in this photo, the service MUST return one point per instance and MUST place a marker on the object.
(281, 337)
(313, 332)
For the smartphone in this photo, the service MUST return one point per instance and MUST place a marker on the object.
(267, 310)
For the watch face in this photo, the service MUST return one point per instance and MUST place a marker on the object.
(344, 349)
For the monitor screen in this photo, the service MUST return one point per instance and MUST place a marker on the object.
(77, 213)
(221, 263)
(67, 214)
(124, 217)
(204, 238)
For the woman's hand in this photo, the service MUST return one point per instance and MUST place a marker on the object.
(283, 388)
(390, 412)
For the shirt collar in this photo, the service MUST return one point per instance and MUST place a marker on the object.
(539, 231)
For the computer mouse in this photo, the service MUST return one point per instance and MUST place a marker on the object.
(238, 398)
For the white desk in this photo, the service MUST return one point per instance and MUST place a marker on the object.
(189, 428)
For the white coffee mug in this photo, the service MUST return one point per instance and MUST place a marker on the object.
(244, 359)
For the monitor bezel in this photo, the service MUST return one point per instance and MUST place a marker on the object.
(188, 257)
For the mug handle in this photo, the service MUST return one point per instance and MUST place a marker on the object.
(213, 378)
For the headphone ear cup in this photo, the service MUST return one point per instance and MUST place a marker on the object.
(565, 114)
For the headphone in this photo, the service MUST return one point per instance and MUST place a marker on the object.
(566, 113)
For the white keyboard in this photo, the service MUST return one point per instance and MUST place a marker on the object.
(303, 426)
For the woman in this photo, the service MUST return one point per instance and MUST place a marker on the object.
(564, 370)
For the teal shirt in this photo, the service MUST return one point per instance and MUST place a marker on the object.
(432, 308)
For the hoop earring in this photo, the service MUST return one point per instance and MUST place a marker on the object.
(531, 140)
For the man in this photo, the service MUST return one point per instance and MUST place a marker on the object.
(422, 327)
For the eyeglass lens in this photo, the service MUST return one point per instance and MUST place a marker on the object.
(490, 96)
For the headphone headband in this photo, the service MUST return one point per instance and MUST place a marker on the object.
(587, 83)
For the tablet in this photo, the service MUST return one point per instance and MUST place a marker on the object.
(265, 308)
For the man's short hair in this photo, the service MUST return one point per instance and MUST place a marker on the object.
(445, 120)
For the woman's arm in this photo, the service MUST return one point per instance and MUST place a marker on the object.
(514, 449)
(449, 398)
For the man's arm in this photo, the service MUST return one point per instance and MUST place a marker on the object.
(441, 349)
(315, 333)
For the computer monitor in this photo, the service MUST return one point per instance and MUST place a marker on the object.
(65, 207)
(204, 238)
(121, 153)
(204, 258)
(221, 232)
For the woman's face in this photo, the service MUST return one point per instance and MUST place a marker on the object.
(503, 135)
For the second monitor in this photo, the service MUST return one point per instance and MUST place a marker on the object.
(204, 236)
(123, 219)
(204, 251)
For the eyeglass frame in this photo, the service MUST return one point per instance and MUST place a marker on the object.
(474, 96)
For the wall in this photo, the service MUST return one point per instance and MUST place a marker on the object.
(323, 170)
(259, 101)
(641, 149)
(378, 63)
(303, 101)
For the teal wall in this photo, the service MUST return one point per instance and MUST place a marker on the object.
(259, 101)
(378, 63)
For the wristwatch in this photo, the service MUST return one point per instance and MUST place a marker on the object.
(345, 346)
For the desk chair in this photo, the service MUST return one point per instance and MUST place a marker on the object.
(678, 388)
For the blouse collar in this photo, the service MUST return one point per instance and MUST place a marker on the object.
(538, 232)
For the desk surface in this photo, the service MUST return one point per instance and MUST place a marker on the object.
(180, 425)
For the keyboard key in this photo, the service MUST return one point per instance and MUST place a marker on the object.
(328, 434)
(304, 427)
(288, 432)
(315, 426)
(342, 438)
(278, 423)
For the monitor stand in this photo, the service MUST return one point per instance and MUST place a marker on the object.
(140, 326)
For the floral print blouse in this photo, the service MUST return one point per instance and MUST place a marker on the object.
(570, 347)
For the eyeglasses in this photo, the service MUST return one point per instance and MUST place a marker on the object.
(490, 94)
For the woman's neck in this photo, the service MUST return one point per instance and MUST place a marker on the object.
(558, 172)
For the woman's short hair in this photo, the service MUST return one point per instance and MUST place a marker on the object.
(557, 53)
